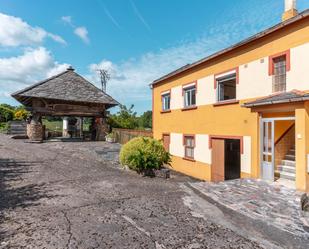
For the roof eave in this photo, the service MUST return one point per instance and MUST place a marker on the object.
(235, 46)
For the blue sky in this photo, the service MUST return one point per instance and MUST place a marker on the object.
(136, 40)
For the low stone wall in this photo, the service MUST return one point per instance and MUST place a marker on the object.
(125, 135)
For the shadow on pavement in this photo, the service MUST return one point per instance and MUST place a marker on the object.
(15, 195)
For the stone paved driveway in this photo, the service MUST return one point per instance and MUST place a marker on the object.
(74, 195)
(272, 210)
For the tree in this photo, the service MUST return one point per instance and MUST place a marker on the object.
(145, 120)
(125, 118)
(6, 114)
(7, 106)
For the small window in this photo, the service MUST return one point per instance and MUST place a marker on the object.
(189, 144)
(189, 96)
(279, 77)
(166, 102)
(227, 88)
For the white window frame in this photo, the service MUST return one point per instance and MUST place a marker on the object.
(188, 99)
(221, 79)
(164, 103)
(189, 147)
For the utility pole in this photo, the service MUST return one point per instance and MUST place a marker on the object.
(104, 76)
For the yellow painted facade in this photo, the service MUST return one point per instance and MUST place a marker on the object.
(233, 119)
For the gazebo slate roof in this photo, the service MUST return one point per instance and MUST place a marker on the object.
(67, 86)
(280, 98)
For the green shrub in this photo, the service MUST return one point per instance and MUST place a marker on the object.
(4, 127)
(144, 153)
(6, 114)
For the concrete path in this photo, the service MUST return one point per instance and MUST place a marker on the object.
(74, 195)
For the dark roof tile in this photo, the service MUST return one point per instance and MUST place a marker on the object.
(284, 97)
(66, 86)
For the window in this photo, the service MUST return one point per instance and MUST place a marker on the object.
(189, 143)
(227, 87)
(166, 102)
(279, 76)
(190, 96)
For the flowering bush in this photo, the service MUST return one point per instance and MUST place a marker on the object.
(21, 114)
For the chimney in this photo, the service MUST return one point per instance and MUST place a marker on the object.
(70, 68)
(290, 10)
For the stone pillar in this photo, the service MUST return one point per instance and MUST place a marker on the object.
(65, 127)
(81, 123)
(102, 129)
(35, 130)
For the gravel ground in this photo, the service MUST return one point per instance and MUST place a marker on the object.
(74, 195)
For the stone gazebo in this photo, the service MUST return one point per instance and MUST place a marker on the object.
(65, 95)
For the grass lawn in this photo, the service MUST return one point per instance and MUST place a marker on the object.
(52, 125)
(57, 125)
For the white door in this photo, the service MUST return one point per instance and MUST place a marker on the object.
(267, 150)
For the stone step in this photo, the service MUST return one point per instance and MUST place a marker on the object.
(288, 162)
(18, 129)
(290, 157)
(286, 175)
(291, 152)
(284, 168)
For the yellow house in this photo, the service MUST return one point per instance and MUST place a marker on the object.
(243, 111)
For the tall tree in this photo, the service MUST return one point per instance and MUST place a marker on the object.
(145, 120)
(125, 118)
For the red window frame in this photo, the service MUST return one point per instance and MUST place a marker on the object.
(185, 146)
(271, 58)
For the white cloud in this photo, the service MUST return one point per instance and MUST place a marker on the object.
(130, 79)
(140, 16)
(67, 19)
(15, 32)
(82, 33)
(32, 66)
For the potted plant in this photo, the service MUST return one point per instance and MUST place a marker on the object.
(111, 137)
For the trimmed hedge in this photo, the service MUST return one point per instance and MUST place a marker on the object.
(143, 153)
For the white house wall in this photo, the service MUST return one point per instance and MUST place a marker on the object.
(254, 80)
(206, 94)
(298, 77)
(176, 145)
(202, 153)
(176, 98)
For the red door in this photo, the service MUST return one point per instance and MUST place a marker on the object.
(217, 166)
(166, 142)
